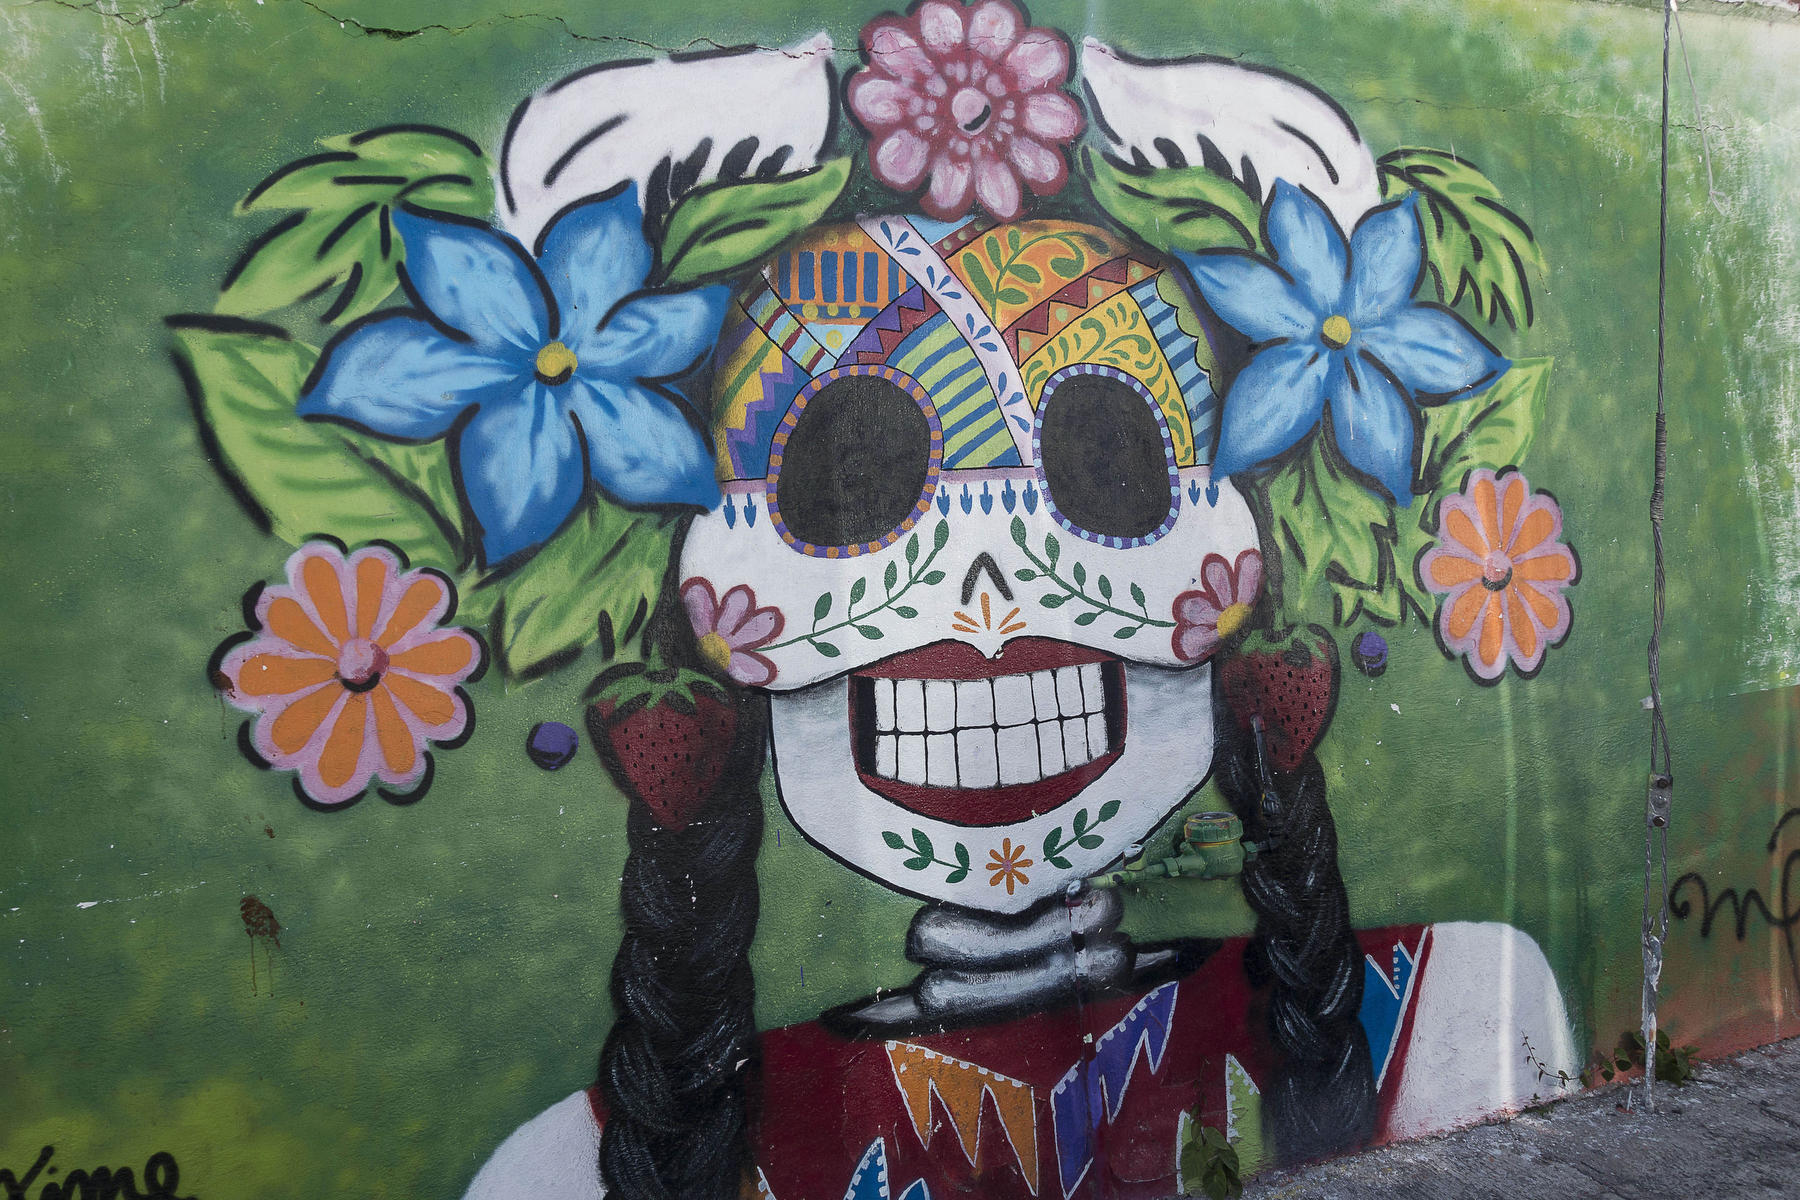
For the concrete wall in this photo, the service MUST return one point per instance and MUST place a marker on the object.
(439, 472)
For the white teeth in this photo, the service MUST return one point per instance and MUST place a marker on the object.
(1075, 741)
(909, 704)
(1068, 691)
(884, 704)
(1012, 700)
(1050, 747)
(1019, 754)
(974, 704)
(911, 768)
(980, 733)
(1092, 688)
(940, 704)
(977, 762)
(940, 760)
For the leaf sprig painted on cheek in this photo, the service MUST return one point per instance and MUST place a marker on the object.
(1074, 587)
(893, 588)
(1081, 833)
(924, 854)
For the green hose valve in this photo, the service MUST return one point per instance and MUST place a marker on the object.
(1211, 847)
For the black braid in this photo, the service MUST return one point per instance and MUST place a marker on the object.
(1322, 1100)
(674, 1067)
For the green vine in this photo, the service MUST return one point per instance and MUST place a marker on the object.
(1080, 834)
(1075, 587)
(925, 854)
(916, 572)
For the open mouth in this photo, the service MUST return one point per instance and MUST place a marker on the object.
(952, 735)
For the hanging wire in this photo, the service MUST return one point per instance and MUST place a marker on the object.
(1659, 792)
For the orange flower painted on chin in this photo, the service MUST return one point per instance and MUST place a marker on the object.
(1501, 563)
(349, 673)
(1008, 865)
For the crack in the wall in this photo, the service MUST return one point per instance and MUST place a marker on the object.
(397, 35)
(135, 20)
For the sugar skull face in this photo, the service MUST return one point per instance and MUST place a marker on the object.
(970, 546)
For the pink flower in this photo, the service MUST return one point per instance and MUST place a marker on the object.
(349, 673)
(1219, 608)
(731, 629)
(968, 98)
(1500, 560)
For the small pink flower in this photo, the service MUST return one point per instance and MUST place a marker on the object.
(1220, 607)
(969, 99)
(1500, 560)
(731, 629)
(349, 673)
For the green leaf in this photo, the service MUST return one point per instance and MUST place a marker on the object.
(870, 632)
(339, 232)
(719, 230)
(827, 649)
(1329, 526)
(1079, 825)
(905, 611)
(305, 477)
(1178, 208)
(962, 856)
(922, 844)
(1053, 601)
(606, 567)
(1108, 811)
(1017, 530)
(893, 839)
(1106, 587)
(1128, 631)
(1027, 272)
(891, 576)
(957, 876)
(1475, 247)
(939, 536)
(1052, 549)
(916, 864)
(1090, 841)
(1492, 429)
(1052, 841)
(821, 607)
(1087, 618)
(1137, 595)
(1025, 574)
(932, 578)
(1080, 573)
(1057, 860)
(912, 550)
(1012, 295)
(858, 590)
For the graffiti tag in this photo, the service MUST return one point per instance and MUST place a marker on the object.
(1784, 920)
(162, 1178)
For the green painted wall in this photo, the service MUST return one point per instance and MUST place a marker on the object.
(442, 967)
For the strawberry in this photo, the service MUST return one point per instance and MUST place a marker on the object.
(1288, 678)
(664, 736)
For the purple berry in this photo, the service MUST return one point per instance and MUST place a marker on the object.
(1369, 652)
(551, 745)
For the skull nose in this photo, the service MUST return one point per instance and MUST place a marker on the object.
(984, 562)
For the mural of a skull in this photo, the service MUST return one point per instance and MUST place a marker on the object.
(977, 543)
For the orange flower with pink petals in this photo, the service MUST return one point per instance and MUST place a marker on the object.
(350, 673)
(1501, 562)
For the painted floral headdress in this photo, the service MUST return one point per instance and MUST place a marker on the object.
(430, 376)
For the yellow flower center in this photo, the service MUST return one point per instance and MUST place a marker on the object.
(555, 363)
(1336, 332)
(1233, 618)
(716, 651)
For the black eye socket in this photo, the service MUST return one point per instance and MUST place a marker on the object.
(1107, 464)
(854, 462)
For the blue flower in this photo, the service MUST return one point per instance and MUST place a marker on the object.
(1338, 324)
(543, 374)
